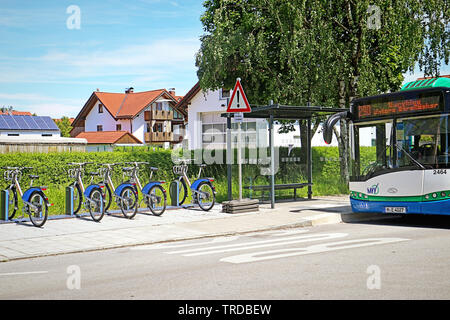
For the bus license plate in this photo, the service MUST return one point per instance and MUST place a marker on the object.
(395, 210)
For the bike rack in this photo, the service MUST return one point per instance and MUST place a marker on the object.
(174, 193)
(4, 205)
(69, 201)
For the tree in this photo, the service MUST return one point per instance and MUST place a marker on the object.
(318, 51)
(64, 126)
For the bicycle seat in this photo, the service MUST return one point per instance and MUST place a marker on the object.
(153, 169)
(32, 176)
(94, 173)
(127, 169)
(202, 165)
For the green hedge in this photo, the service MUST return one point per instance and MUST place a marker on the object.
(52, 169)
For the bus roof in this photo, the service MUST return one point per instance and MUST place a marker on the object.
(427, 83)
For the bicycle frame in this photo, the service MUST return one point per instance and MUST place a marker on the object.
(35, 209)
(194, 185)
(135, 179)
(79, 180)
(107, 180)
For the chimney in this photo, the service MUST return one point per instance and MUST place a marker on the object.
(172, 91)
(129, 90)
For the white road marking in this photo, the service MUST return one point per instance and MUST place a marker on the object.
(182, 245)
(275, 233)
(258, 244)
(324, 247)
(22, 273)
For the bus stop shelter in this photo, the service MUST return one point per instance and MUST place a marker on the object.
(274, 112)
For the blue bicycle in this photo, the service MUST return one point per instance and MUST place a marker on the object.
(202, 189)
(35, 202)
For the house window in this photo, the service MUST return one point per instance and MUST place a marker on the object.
(177, 115)
(149, 126)
(100, 108)
(118, 127)
(224, 94)
(159, 106)
(99, 128)
(13, 134)
(46, 135)
(158, 127)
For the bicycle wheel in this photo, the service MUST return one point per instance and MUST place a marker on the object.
(206, 197)
(156, 200)
(77, 198)
(128, 203)
(182, 192)
(12, 203)
(38, 213)
(96, 207)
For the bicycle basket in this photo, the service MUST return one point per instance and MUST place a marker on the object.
(72, 173)
(179, 170)
(7, 175)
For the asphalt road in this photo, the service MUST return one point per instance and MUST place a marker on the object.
(388, 259)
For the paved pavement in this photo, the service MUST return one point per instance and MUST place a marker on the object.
(59, 236)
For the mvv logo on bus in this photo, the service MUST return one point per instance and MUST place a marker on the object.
(373, 189)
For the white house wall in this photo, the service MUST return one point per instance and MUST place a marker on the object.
(94, 118)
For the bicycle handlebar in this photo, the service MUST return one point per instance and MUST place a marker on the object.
(137, 162)
(17, 168)
(79, 163)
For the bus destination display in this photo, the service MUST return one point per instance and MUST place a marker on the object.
(387, 108)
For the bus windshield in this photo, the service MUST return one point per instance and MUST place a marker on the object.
(399, 144)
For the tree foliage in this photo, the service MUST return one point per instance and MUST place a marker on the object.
(320, 51)
(64, 126)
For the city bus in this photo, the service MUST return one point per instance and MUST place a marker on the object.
(399, 149)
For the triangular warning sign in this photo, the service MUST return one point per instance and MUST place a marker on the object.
(238, 101)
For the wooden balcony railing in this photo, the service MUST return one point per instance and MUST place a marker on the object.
(158, 137)
(158, 115)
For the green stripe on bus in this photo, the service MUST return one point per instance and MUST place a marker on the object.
(434, 196)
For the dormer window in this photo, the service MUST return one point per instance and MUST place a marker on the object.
(100, 108)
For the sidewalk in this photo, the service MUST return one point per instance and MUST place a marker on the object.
(59, 236)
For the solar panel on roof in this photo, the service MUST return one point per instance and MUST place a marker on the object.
(3, 124)
(50, 123)
(21, 122)
(31, 123)
(11, 122)
(40, 123)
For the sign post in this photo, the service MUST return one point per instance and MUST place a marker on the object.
(238, 104)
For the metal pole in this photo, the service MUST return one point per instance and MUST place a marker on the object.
(239, 155)
(309, 158)
(229, 158)
(272, 163)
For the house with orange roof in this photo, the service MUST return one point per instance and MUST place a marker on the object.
(148, 117)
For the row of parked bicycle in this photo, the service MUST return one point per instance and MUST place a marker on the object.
(97, 197)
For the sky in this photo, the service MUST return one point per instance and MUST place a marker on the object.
(55, 53)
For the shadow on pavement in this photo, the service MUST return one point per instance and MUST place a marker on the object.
(409, 220)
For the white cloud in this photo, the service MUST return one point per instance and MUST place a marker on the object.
(42, 105)
(161, 58)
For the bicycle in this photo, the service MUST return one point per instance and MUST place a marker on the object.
(154, 195)
(93, 194)
(202, 189)
(125, 194)
(35, 201)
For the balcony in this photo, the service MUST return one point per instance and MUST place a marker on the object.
(151, 137)
(158, 115)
